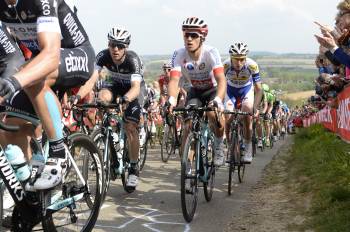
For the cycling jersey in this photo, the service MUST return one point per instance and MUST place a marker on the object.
(200, 73)
(120, 76)
(163, 84)
(11, 57)
(243, 78)
(30, 17)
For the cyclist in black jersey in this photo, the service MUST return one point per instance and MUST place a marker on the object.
(62, 58)
(122, 72)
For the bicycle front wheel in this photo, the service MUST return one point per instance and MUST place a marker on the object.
(189, 183)
(209, 166)
(99, 139)
(82, 213)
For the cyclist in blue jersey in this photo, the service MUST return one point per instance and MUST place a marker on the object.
(243, 88)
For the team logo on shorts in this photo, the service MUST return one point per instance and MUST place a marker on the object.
(202, 66)
(189, 66)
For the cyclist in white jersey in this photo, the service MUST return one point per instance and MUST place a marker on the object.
(243, 88)
(201, 65)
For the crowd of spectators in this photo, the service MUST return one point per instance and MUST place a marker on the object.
(333, 60)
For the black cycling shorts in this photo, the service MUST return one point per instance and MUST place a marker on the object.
(133, 112)
(199, 98)
(75, 68)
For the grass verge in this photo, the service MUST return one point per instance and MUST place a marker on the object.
(320, 167)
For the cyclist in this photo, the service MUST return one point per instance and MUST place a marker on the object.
(243, 86)
(276, 116)
(201, 65)
(62, 57)
(163, 81)
(123, 74)
(286, 114)
(266, 108)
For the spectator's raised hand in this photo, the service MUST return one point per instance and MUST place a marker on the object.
(326, 41)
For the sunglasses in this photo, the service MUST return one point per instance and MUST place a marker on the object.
(193, 35)
(114, 44)
(238, 59)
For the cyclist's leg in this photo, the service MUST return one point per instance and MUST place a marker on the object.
(247, 106)
(69, 74)
(230, 102)
(218, 132)
(193, 98)
(131, 125)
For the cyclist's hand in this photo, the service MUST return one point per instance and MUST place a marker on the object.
(256, 113)
(168, 107)
(125, 102)
(73, 100)
(8, 87)
(217, 103)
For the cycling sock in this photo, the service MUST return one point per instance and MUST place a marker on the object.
(39, 140)
(56, 149)
(50, 100)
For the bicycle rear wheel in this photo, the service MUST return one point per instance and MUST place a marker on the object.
(83, 213)
(144, 149)
(99, 139)
(233, 151)
(167, 144)
(209, 166)
(189, 183)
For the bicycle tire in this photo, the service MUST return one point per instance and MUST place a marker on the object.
(167, 144)
(99, 139)
(209, 163)
(144, 149)
(76, 140)
(188, 212)
(232, 162)
(238, 161)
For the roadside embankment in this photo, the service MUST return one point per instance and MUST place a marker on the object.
(306, 187)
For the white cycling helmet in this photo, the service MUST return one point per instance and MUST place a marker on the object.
(195, 24)
(239, 49)
(120, 35)
(167, 65)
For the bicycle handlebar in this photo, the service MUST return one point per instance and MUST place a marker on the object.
(236, 112)
(5, 127)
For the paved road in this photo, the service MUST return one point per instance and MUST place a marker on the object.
(156, 205)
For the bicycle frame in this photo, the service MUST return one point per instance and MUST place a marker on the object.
(14, 186)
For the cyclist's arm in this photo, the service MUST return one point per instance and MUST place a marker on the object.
(89, 85)
(221, 81)
(258, 94)
(134, 91)
(44, 63)
(173, 88)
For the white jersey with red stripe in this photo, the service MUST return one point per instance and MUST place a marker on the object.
(201, 72)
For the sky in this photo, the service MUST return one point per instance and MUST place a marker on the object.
(281, 26)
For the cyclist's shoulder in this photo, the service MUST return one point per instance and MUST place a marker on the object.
(252, 65)
(103, 56)
(227, 63)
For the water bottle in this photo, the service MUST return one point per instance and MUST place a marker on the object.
(116, 141)
(119, 168)
(153, 128)
(19, 164)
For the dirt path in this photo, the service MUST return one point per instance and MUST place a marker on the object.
(274, 204)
